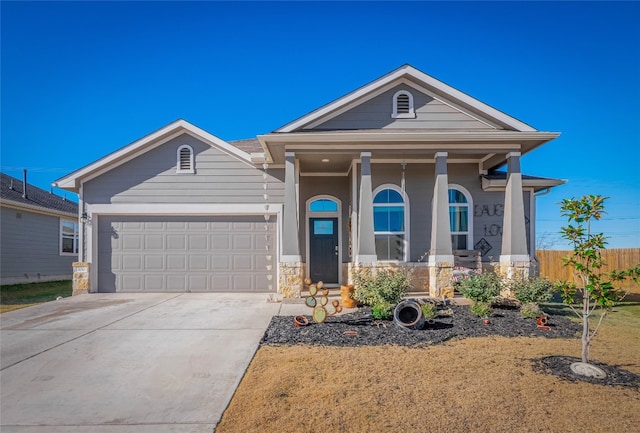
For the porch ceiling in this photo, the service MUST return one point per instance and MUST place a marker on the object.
(340, 162)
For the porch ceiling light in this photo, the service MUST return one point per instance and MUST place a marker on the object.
(325, 159)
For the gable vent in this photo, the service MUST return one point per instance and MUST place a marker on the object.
(403, 103)
(185, 159)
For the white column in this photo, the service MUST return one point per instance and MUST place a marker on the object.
(514, 237)
(366, 237)
(441, 250)
(290, 244)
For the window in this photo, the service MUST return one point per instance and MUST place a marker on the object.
(323, 205)
(68, 237)
(403, 105)
(389, 224)
(185, 160)
(459, 217)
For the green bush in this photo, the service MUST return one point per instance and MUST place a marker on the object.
(386, 285)
(481, 309)
(382, 311)
(531, 310)
(429, 311)
(481, 288)
(532, 290)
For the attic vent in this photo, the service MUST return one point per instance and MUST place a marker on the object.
(185, 160)
(403, 105)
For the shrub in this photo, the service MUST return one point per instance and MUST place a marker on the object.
(532, 290)
(382, 311)
(531, 310)
(481, 309)
(481, 288)
(428, 310)
(385, 286)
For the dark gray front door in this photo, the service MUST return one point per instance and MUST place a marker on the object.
(323, 250)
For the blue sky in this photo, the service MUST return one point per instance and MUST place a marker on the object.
(82, 79)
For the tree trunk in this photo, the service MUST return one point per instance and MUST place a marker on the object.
(585, 328)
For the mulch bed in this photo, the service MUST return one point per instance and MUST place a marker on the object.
(453, 322)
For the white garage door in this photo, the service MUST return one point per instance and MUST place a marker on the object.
(177, 254)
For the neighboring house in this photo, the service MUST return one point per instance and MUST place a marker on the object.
(401, 172)
(38, 233)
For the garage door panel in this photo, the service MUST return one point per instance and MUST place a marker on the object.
(198, 263)
(198, 242)
(243, 242)
(176, 242)
(132, 262)
(154, 283)
(154, 241)
(131, 283)
(175, 254)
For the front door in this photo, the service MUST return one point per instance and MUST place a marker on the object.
(323, 250)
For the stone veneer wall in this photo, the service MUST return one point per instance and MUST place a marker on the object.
(419, 275)
(80, 283)
(290, 279)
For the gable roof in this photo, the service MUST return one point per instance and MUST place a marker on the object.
(72, 181)
(37, 199)
(411, 76)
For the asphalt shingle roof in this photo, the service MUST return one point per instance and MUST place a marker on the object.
(11, 189)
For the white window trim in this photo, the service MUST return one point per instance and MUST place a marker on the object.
(405, 198)
(191, 169)
(411, 114)
(337, 214)
(76, 237)
(469, 206)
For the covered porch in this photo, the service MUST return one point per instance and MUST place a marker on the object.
(405, 200)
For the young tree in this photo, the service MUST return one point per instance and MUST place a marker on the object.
(596, 290)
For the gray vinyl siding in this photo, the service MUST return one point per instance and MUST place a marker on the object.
(376, 114)
(151, 178)
(31, 247)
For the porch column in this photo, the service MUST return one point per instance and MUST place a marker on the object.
(441, 252)
(291, 269)
(366, 238)
(514, 257)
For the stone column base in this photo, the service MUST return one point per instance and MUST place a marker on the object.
(513, 271)
(81, 283)
(441, 280)
(290, 279)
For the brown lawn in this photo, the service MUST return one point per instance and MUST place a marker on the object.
(471, 385)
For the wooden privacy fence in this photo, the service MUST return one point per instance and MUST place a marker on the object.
(615, 258)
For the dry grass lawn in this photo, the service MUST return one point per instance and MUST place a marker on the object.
(471, 385)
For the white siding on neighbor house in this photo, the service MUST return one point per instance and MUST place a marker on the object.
(31, 248)
(376, 113)
(152, 178)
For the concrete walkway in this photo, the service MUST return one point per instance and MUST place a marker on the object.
(124, 363)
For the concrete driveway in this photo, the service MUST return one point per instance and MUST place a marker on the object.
(124, 363)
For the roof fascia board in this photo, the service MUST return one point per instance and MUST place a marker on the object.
(471, 101)
(390, 86)
(145, 144)
(346, 99)
(36, 209)
(362, 94)
(411, 136)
